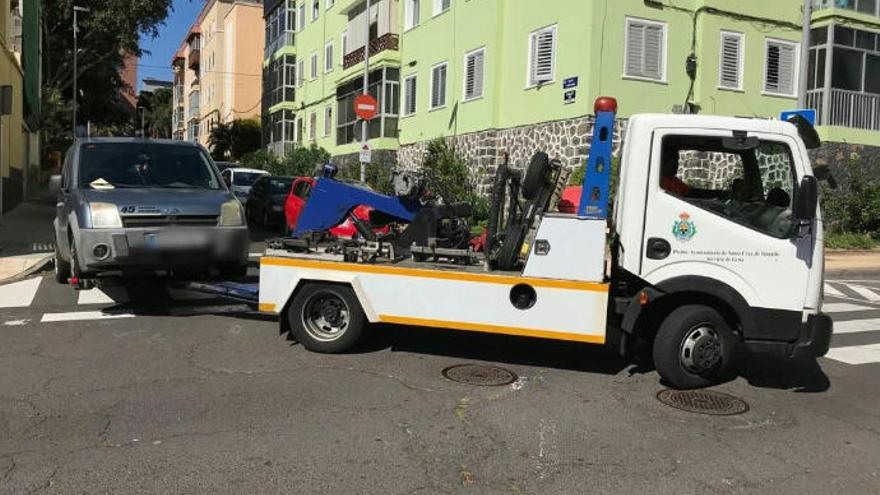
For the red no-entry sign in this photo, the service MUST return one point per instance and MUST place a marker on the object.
(365, 107)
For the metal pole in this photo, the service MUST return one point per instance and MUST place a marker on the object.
(805, 54)
(366, 84)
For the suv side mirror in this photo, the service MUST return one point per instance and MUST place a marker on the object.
(55, 184)
(806, 200)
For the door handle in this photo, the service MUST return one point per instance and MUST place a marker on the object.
(658, 248)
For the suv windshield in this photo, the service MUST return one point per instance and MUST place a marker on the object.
(109, 165)
(245, 178)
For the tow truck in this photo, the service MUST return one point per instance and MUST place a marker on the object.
(714, 243)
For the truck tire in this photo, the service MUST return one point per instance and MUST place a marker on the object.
(536, 175)
(62, 268)
(693, 347)
(326, 318)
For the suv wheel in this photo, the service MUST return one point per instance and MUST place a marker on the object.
(62, 268)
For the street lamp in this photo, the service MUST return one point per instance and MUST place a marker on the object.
(76, 8)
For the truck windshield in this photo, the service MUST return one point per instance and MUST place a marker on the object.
(153, 165)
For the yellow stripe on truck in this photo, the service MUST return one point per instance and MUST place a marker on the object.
(436, 274)
(484, 328)
(266, 307)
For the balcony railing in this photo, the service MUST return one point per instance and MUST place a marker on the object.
(846, 109)
(286, 39)
(281, 148)
(869, 7)
(388, 41)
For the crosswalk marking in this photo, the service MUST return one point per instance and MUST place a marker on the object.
(865, 292)
(855, 326)
(860, 354)
(102, 296)
(844, 308)
(831, 291)
(19, 294)
(83, 316)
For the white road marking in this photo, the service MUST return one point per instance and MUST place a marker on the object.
(859, 354)
(865, 292)
(855, 326)
(831, 291)
(19, 294)
(112, 295)
(82, 316)
(17, 323)
(845, 307)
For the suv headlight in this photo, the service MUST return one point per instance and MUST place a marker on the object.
(105, 216)
(230, 214)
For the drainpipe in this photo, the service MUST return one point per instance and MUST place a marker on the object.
(803, 77)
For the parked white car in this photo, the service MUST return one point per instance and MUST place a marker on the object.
(240, 180)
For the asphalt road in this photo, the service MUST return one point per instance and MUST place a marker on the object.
(159, 391)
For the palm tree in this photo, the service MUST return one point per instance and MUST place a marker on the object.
(220, 140)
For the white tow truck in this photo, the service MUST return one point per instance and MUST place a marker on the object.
(714, 242)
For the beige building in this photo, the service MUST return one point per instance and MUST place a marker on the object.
(218, 68)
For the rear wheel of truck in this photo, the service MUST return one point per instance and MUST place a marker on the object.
(693, 347)
(326, 318)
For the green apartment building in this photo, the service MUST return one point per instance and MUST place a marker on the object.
(497, 76)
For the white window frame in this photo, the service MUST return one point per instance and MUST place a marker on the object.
(796, 68)
(431, 106)
(301, 16)
(532, 35)
(313, 125)
(741, 62)
(329, 4)
(438, 5)
(316, 12)
(313, 66)
(328, 120)
(343, 44)
(300, 72)
(409, 21)
(664, 55)
(405, 100)
(482, 92)
(328, 61)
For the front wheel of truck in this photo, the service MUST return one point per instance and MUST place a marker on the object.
(326, 318)
(693, 347)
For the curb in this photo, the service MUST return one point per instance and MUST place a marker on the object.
(35, 268)
(871, 272)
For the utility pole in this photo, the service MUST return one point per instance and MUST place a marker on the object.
(366, 83)
(76, 9)
(803, 77)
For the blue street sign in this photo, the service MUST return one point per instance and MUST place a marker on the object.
(569, 82)
(808, 114)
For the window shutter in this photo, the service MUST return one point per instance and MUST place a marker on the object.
(314, 65)
(781, 65)
(473, 82)
(410, 91)
(302, 16)
(644, 50)
(328, 58)
(731, 56)
(300, 72)
(542, 54)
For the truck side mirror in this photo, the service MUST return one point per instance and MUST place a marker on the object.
(55, 184)
(806, 200)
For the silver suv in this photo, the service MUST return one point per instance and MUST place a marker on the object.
(137, 205)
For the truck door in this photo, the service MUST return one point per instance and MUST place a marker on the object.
(719, 208)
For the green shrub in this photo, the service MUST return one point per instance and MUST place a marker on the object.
(449, 180)
(855, 206)
(850, 241)
(260, 159)
(377, 176)
(302, 161)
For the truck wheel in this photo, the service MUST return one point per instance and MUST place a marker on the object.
(693, 347)
(62, 268)
(326, 318)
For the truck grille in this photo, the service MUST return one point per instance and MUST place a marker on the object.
(142, 221)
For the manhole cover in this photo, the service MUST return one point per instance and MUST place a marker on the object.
(703, 402)
(477, 374)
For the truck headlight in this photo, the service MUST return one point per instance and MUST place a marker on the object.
(230, 214)
(105, 216)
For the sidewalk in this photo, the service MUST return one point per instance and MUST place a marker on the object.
(26, 243)
(852, 261)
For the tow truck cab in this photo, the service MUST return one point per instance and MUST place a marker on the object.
(721, 212)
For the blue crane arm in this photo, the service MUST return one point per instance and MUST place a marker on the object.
(331, 201)
(597, 180)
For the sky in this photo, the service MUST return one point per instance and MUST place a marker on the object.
(158, 63)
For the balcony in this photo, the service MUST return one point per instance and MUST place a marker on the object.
(281, 148)
(868, 7)
(388, 41)
(851, 109)
(286, 39)
(194, 58)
